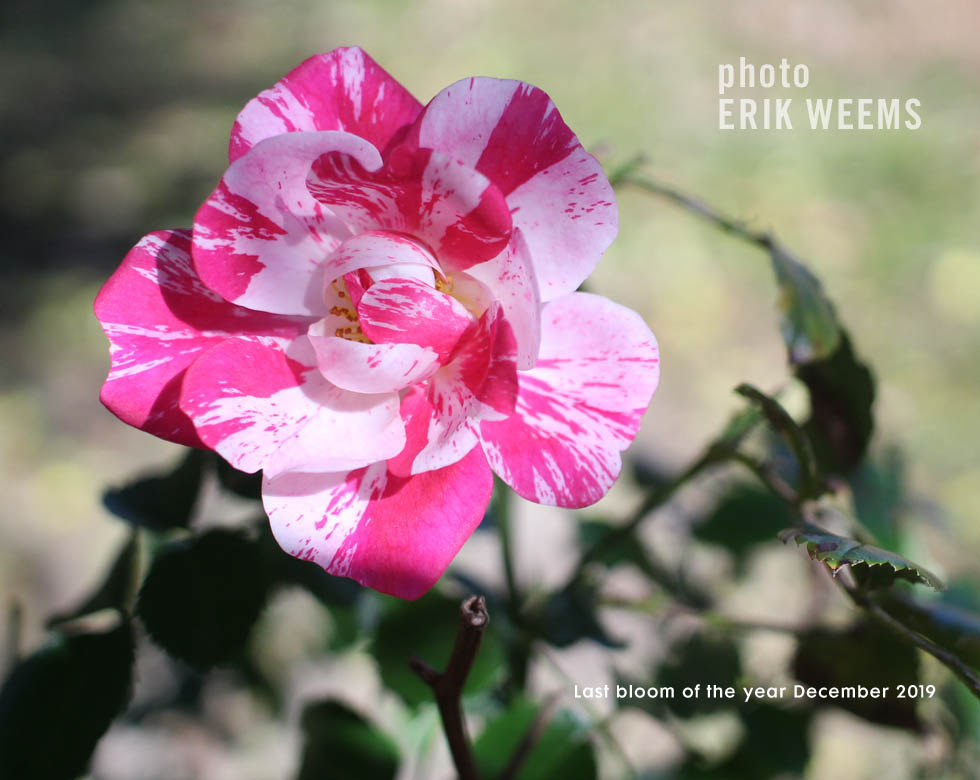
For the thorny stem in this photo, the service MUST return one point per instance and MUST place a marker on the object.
(447, 686)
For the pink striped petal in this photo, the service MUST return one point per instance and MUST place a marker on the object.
(377, 251)
(260, 408)
(159, 317)
(480, 383)
(579, 407)
(556, 191)
(430, 196)
(371, 368)
(510, 279)
(407, 311)
(260, 240)
(341, 90)
(396, 535)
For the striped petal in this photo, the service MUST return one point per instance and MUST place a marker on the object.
(394, 534)
(579, 407)
(260, 408)
(260, 240)
(341, 90)
(159, 318)
(430, 196)
(407, 311)
(559, 197)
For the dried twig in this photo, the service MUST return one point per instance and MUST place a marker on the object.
(448, 686)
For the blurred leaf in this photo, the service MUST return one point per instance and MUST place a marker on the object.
(116, 590)
(649, 474)
(872, 566)
(812, 484)
(427, 628)
(284, 569)
(745, 516)
(161, 501)
(203, 595)
(808, 324)
(842, 392)
(947, 624)
(569, 615)
(861, 655)
(737, 428)
(878, 488)
(238, 482)
(57, 703)
(775, 745)
(704, 657)
(562, 751)
(342, 745)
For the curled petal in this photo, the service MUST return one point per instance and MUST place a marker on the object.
(159, 318)
(341, 90)
(452, 208)
(372, 368)
(262, 409)
(410, 311)
(579, 407)
(394, 534)
(260, 240)
(558, 196)
(377, 250)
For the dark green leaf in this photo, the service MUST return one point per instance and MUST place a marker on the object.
(860, 656)
(949, 625)
(570, 615)
(746, 516)
(808, 323)
(427, 628)
(203, 595)
(775, 745)
(842, 392)
(161, 501)
(342, 745)
(878, 487)
(703, 657)
(872, 566)
(238, 482)
(116, 590)
(562, 750)
(57, 703)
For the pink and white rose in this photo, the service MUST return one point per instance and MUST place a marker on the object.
(376, 307)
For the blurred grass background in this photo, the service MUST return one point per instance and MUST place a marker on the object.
(115, 116)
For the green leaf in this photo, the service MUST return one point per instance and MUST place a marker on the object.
(203, 595)
(704, 657)
(863, 655)
(744, 517)
(812, 484)
(427, 628)
(116, 590)
(569, 615)
(341, 745)
(563, 749)
(161, 501)
(947, 624)
(57, 703)
(842, 393)
(874, 567)
(808, 323)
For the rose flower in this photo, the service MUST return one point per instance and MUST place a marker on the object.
(376, 307)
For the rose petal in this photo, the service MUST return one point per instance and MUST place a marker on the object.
(407, 311)
(579, 407)
(260, 240)
(430, 196)
(393, 534)
(556, 191)
(262, 409)
(341, 90)
(371, 368)
(159, 317)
